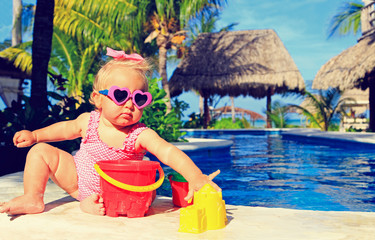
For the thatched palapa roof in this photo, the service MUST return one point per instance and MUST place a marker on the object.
(353, 68)
(348, 69)
(358, 96)
(237, 63)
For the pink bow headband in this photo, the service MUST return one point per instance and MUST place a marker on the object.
(122, 55)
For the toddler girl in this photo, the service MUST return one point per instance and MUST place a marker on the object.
(111, 132)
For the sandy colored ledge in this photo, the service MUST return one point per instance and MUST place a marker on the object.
(64, 220)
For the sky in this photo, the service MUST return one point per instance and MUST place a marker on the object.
(301, 25)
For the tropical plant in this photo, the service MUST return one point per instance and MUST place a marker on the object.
(167, 22)
(167, 125)
(195, 121)
(62, 107)
(347, 20)
(69, 60)
(227, 123)
(205, 22)
(279, 114)
(107, 22)
(74, 61)
(21, 115)
(81, 31)
(322, 107)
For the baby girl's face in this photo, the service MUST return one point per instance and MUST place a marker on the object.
(127, 113)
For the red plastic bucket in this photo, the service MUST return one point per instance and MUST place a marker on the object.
(119, 201)
(180, 188)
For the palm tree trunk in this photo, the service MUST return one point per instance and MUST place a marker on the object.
(163, 74)
(17, 36)
(206, 115)
(17, 22)
(233, 110)
(269, 94)
(201, 111)
(41, 48)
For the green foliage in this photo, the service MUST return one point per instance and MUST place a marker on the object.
(323, 107)
(245, 123)
(279, 115)
(195, 121)
(22, 116)
(73, 60)
(333, 127)
(226, 123)
(94, 21)
(347, 20)
(179, 107)
(81, 32)
(20, 56)
(155, 117)
(352, 129)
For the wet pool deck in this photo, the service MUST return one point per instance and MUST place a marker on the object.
(64, 220)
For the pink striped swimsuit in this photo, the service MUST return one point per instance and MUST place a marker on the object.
(92, 150)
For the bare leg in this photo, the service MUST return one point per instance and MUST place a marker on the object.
(43, 161)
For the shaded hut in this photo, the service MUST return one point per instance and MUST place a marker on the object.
(249, 63)
(355, 66)
(253, 116)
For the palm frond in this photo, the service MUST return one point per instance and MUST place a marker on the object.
(347, 20)
(308, 114)
(190, 8)
(64, 54)
(89, 56)
(20, 56)
(92, 19)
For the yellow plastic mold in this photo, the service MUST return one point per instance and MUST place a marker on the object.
(207, 213)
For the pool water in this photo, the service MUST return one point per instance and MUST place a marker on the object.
(274, 171)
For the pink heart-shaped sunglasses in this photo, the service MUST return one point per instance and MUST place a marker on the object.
(121, 95)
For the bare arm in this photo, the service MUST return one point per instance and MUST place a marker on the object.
(60, 131)
(176, 159)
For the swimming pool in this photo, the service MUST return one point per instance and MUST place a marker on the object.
(270, 170)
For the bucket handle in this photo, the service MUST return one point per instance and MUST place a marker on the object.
(132, 188)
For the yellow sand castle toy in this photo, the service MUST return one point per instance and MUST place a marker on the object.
(207, 213)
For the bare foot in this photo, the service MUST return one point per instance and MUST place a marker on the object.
(93, 205)
(24, 204)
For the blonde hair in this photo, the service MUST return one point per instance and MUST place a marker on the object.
(102, 77)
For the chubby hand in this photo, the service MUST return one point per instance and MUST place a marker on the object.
(200, 181)
(24, 138)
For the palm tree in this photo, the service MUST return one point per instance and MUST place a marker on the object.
(347, 20)
(278, 114)
(81, 32)
(322, 107)
(167, 23)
